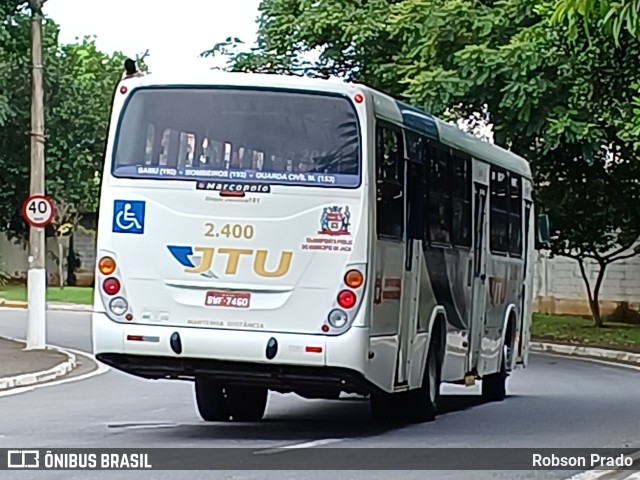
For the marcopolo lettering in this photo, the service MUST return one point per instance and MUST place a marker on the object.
(233, 187)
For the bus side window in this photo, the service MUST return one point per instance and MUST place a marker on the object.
(499, 217)
(515, 215)
(416, 178)
(390, 182)
(461, 179)
(439, 209)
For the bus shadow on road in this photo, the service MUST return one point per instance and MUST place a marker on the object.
(458, 403)
(313, 420)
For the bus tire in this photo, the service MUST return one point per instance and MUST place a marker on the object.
(494, 386)
(415, 406)
(247, 404)
(422, 404)
(211, 400)
(384, 407)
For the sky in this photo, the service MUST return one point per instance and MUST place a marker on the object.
(174, 32)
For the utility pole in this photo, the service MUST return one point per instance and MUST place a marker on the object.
(37, 277)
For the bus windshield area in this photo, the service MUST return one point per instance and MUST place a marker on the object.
(238, 135)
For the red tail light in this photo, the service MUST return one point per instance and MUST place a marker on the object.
(111, 286)
(346, 299)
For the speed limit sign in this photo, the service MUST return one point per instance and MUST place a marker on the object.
(38, 210)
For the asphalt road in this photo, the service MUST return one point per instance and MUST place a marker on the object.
(553, 403)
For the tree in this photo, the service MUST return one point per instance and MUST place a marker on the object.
(79, 85)
(556, 98)
(64, 225)
(614, 16)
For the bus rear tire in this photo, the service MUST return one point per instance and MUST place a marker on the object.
(247, 404)
(416, 406)
(494, 386)
(211, 401)
(384, 407)
(422, 403)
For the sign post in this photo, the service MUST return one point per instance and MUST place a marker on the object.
(38, 211)
(36, 280)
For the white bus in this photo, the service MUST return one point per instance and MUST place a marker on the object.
(265, 233)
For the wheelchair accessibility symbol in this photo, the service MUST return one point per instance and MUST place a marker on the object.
(128, 216)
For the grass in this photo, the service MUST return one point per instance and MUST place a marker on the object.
(580, 331)
(77, 295)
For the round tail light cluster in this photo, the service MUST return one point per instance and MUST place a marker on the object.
(346, 299)
(111, 286)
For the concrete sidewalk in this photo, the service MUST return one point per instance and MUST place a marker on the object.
(21, 368)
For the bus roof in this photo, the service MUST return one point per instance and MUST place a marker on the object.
(385, 106)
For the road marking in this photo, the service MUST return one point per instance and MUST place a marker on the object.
(315, 443)
(597, 474)
(98, 371)
(141, 426)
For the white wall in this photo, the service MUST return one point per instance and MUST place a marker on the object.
(13, 257)
(561, 289)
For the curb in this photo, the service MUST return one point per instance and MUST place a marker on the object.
(29, 379)
(69, 307)
(577, 351)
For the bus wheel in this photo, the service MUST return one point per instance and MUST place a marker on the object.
(422, 403)
(384, 407)
(247, 404)
(494, 386)
(211, 400)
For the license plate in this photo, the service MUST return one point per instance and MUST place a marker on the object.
(228, 299)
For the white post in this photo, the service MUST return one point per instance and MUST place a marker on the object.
(36, 280)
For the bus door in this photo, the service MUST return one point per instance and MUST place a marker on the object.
(408, 326)
(524, 308)
(479, 288)
(390, 226)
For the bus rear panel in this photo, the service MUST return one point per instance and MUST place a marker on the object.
(232, 235)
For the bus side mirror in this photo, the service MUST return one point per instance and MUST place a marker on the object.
(543, 232)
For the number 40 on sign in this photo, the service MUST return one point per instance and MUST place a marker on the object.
(38, 211)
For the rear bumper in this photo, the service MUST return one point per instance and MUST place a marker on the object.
(236, 357)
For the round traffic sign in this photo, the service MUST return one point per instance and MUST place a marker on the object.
(38, 210)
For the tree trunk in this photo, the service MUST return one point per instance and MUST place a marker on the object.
(595, 303)
(595, 312)
(61, 263)
(594, 296)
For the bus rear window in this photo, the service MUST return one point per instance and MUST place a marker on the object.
(216, 134)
